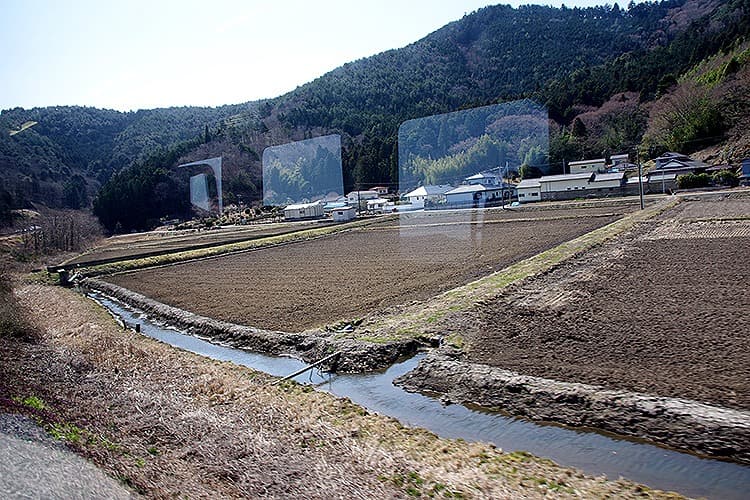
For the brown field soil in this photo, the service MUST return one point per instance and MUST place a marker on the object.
(727, 205)
(133, 246)
(348, 275)
(652, 311)
(530, 211)
(171, 424)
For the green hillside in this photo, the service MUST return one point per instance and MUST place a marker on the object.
(599, 71)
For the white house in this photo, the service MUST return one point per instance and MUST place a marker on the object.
(378, 205)
(433, 194)
(587, 166)
(359, 198)
(303, 211)
(344, 214)
(529, 190)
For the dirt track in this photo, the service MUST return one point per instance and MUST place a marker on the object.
(648, 312)
(344, 276)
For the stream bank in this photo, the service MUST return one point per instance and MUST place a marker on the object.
(355, 356)
(680, 423)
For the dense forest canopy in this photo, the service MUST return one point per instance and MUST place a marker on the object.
(597, 71)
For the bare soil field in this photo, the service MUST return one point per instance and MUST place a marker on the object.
(728, 205)
(141, 244)
(131, 246)
(658, 311)
(347, 275)
(530, 211)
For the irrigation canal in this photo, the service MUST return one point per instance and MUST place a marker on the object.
(590, 451)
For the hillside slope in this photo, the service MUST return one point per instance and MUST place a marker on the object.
(602, 65)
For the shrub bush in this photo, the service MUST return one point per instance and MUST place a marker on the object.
(726, 178)
(688, 181)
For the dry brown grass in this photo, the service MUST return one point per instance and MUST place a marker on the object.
(12, 322)
(170, 423)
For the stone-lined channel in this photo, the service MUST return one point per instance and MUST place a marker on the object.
(590, 451)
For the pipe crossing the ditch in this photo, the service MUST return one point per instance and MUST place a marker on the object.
(308, 367)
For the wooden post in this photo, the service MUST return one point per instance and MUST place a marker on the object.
(64, 277)
(309, 367)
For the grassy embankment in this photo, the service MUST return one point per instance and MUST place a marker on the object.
(170, 423)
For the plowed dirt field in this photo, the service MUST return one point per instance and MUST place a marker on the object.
(347, 275)
(663, 310)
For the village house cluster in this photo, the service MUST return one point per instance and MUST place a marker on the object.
(595, 178)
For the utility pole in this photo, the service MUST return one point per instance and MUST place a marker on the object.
(640, 178)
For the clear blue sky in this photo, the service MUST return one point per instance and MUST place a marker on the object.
(136, 54)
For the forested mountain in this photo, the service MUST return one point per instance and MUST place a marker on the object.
(599, 72)
(82, 147)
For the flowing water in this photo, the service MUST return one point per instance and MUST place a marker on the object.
(592, 452)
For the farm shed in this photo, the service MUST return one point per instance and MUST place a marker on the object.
(621, 159)
(563, 187)
(303, 211)
(344, 214)
(529, 190)
(662, 182)
(478, 194)
(608, 181)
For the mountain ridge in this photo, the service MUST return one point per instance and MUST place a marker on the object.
(492, 55)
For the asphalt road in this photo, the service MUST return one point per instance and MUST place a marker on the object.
(35, 465)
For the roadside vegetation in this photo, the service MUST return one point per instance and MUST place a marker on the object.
(13, 324)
